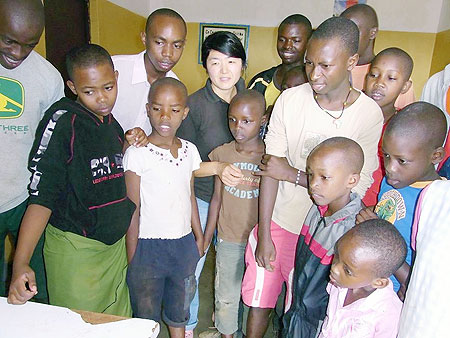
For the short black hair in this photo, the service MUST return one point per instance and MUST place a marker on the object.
(86, 56)
(421, 120)
(369, 14)
(226, 43)
(341, 28)
(298, 19)
(248, 95)
(168, 81)
(405, 59)
(298, 73)
(384, 241)
(352, 155)
(163, 12)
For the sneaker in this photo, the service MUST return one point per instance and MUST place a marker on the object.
(210, 334)
(189, 334)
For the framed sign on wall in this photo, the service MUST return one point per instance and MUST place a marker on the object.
(206, 29)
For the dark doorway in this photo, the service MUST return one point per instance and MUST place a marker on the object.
(66, 26)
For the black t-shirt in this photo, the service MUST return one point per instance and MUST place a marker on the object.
(207, 127)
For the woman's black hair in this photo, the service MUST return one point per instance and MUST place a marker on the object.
(223, 42)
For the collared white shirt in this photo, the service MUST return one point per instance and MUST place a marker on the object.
(133, 89)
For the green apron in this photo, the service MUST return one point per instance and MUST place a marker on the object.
(86, 274)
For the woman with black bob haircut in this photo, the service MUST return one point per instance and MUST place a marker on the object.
(206, 125)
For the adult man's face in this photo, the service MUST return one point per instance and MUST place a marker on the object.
(17, 39)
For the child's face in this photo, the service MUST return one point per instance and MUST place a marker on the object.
(406, 160)
(291, 43)
(223, 70)
(17, 40)
(96, 88)
(293, 79)
(244, 120)
(352, 265)
(164, 42)
(386, 80)
(329, 183)
(327, 65)
(166, 110)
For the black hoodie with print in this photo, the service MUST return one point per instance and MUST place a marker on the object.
(77, 172)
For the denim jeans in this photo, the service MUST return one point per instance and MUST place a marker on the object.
(230, 267)
(193, 309)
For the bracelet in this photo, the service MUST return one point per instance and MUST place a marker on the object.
(297, 180)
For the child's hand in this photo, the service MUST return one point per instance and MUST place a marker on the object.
(136, 137)
(401, 293)
(365, 214)
(200, 246)
(265, 253)
(23, 285)
(276, 167)
(230, 175)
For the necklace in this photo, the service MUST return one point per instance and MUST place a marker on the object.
(336, 121)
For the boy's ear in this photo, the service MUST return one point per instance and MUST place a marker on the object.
(373, 33)
(438, 155)
(147, 108)
(186, 111)
(116, 74)
(352, 61)
(380, 283)
(71, 87)
(406, 87)
(263, 119)
(143, 36)
(353, 180)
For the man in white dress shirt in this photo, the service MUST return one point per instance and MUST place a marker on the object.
(164, 39)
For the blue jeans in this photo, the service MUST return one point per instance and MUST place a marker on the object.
(230, 267)
(193, 309)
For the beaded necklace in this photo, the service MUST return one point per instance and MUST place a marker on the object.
(336, 121)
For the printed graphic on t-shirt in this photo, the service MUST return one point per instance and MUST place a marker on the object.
(11, 98)
(391, 206)
(103, 169)
(248, 188)
(310, 142)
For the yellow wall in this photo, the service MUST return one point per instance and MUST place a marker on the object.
(441, 54)
(115, 28)
(418, 45)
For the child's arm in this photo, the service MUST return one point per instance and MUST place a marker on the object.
(402, 275)
(366, 214)
(33, 224)
(133, 183)
(228, 173)
(265, 250)
(213, 213)
(195, 221)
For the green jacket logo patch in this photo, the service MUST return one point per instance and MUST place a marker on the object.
(11, 98)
